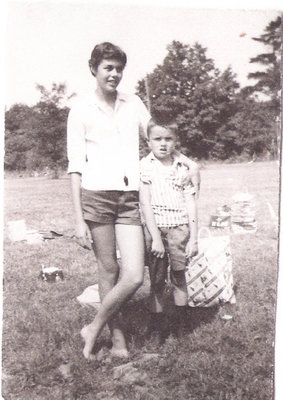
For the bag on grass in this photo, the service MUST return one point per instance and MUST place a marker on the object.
(90, 297)
(209, 275)
(221, 218)
(243, 214)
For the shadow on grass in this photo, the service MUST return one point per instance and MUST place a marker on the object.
(136, 317)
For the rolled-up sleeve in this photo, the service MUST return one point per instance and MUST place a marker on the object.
(145, 171)
(144, 116)
(76, 144)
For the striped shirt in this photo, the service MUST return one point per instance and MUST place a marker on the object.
(168, 190)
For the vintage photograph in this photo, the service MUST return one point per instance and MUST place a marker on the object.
(141, 198)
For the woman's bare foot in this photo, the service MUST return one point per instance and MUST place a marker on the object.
(89, 337)
(119, 347)
(119, 353)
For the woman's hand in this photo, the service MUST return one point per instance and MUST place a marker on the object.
(83, 235)
(194, 173)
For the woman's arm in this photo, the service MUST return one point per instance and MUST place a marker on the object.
(145, 202)
(83, 234)
(194, 174)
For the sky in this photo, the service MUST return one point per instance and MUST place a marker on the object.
(48, 42)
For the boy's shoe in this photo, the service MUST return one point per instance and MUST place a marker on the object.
(157, 328)
(178, 327)
(158, 338)
(179, 332)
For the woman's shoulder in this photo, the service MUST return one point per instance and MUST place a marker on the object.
(79, 103)
(129, 97)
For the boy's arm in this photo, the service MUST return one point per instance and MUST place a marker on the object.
(191, 205)
(147, 212)
(83, 234)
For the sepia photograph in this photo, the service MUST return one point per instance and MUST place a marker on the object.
(141, 200)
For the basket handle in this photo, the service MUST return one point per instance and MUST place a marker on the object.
(204, 229)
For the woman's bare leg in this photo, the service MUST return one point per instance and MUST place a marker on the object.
(108, 273)
(130, 243)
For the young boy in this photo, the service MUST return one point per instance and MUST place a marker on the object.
(168, 206)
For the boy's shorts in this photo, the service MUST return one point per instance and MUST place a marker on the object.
(111, 206)
(175, 240)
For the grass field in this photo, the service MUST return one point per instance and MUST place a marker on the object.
(217, 360)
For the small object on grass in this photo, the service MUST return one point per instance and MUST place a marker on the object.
(56, 234)
(90, 297)
(243, 214)
(220, 221)
(227, 317)
(48, 235)
(17, 230)
(221, 218)
(34, 237)
(51, 274)
(65, 370)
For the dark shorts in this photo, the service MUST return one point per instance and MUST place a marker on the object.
(175, 240)
(111, 206)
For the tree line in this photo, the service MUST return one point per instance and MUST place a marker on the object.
(216, 119)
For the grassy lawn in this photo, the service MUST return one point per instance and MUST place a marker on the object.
(217, 360)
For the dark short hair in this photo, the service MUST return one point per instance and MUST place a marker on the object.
(163, 122)
(106, 50)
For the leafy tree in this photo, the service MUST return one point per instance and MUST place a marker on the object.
(57, 95)
(268, 81)
(36, 136)
(50, 128)
(188, 88)
(49, 134)
(215, 119)
(250, 130)
(18, 125)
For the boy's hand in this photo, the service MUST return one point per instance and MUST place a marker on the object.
(83, 235)
(157, 248)
(191, 249)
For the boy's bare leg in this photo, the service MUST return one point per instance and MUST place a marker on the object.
(157, 325)
(158, 275)
(180, 288)
(180, 295)
(156, 301)
(130, 242)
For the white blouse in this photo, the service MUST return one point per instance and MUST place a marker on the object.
(103, 144)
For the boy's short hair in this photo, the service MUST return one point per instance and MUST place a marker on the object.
(163, 122)
(106, 50)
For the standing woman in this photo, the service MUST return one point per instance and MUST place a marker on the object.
(103, 153)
